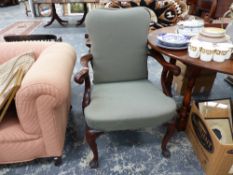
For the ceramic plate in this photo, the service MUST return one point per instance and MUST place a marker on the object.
(225, 38)
(158, 43)
(213, 32)
(173, 39)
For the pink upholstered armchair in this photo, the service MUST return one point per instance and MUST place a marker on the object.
(42, 103)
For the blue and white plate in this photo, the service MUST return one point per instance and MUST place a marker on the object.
(158, 43)
(173, 39)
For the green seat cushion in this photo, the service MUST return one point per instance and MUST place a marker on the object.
(128, 105)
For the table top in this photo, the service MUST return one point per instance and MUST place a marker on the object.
(182, 55)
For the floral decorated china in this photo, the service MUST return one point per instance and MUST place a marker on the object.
(173, 39)
(158, 43)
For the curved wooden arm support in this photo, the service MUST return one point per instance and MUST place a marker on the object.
(167, 66)
(169, 69)
(82, 76)
(86, 59)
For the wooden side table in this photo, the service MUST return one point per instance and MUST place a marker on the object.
(56, 17)
(195, 66)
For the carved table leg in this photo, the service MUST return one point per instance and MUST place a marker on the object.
(185, 108)
(85, 8)
(55, 17)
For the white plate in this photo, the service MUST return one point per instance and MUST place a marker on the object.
(213, 32)
(171, 48)
(225, 38)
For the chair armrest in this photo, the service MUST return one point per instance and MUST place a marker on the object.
(167, 66)
(49, 79)
(82, 76)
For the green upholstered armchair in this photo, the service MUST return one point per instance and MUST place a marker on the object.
(121, 97)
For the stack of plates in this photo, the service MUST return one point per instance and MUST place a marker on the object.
(172, 41)
(214, 35)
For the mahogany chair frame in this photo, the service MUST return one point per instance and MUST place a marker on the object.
(91, 135)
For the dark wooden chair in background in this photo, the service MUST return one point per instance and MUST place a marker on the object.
(4, 3)
(34, 37)
(209, 9)
(203, 8)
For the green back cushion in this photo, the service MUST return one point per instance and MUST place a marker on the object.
(119, 38)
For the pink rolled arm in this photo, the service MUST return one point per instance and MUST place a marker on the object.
(43, 99)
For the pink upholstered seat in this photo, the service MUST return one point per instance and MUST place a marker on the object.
(38, 127)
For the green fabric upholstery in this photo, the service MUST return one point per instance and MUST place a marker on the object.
(119, 38)
(128, 105)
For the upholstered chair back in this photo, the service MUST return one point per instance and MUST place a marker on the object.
(119, 43)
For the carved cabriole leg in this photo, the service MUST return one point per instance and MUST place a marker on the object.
(170, 132)
(91, 136)
(57, 161)
(185, 108)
